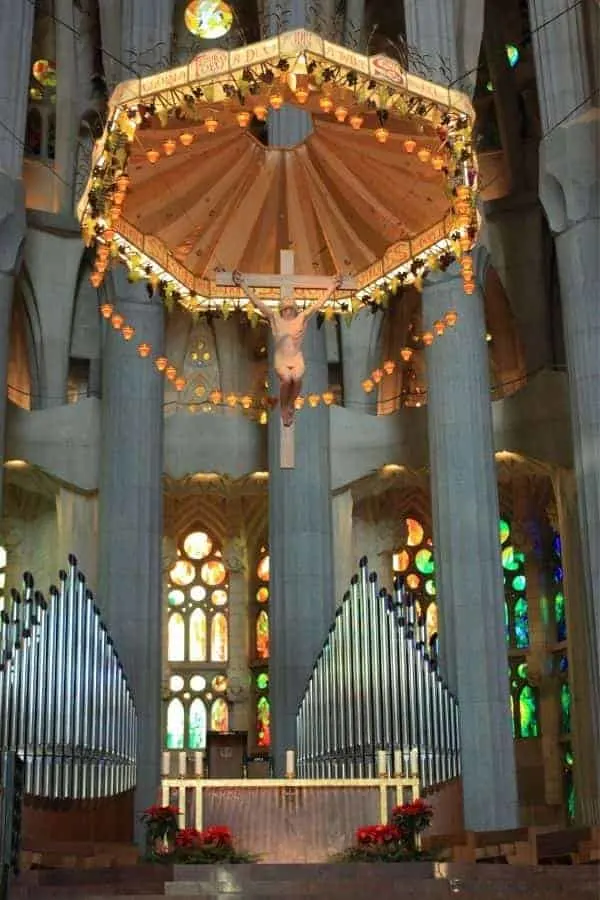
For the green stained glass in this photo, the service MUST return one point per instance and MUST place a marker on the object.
(569, 758)
(504, 531)
(528, 712)
(522, 670)
(506, 624)
(197, 725)
(565, 709)
(509, 559)
(424, 562)
(175, 725)
(430, 588)
(560, 616)
(519, 583)
(262, 681)
(571, 802)
(512, 715)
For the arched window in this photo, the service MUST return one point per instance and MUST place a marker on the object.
(260, 644)
(515, 590)
(524, 702)
(416, 564)
(197, 642)
(3, 561)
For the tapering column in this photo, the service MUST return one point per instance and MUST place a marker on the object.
(569, 156)
(130, 522)
(361, 353)
(15, 68)
(300, 518)
(465, 529)
(77, 521)
(235, 558)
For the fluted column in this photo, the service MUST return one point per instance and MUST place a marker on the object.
(235, 558)
(15, 68)
(465, 530)
(569, 156)
(130, 526)
(301, 547)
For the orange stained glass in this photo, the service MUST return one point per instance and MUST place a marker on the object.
(198, 636)
(263, 568)
(262, 594)
(412, 582)
(213, 572)
(219, 715)
(197, 545)
(176, 638)
(219, 638)
(431, 621)
(400, 561)
(415, 533)
(263, 722)
(219, 598)
(182, 573)
(219, 683)
(262, 635)
(418, 609)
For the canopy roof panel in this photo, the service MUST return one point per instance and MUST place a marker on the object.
(180, 187)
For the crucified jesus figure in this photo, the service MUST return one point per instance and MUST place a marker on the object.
(288, 326)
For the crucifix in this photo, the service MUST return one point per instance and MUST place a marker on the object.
(288, 326)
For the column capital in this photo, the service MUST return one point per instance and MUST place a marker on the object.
(235, 554)
(481, 262)
(13, 224)
(569, 171)
(127, 291)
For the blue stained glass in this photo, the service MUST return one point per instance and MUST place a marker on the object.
(521, 624)
(563, 663)
(556, 544)
(557, 574)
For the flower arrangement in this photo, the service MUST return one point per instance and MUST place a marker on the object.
(394, 842)
(165, 842)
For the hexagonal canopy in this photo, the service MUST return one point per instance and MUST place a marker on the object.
(370, 189)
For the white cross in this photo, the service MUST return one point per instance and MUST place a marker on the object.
(287, 282)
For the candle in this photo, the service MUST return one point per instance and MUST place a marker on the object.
(199, 764)
(290, 764)
(398, 763)
(414, 762)
(166, 764)
(183, 764)
(381, 764)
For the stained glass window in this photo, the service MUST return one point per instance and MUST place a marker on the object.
(565, 708)
(197, 733)
(175, 725)
(262, 635)
(197, 609)
(524, 702)
(219, 715)
(263, 568)
(415, 562)
(263, 722)
(560, 611)
(568, 782)
(3, 561)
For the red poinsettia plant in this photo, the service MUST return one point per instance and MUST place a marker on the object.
(167, 843)
(394, 842)
(161, 823)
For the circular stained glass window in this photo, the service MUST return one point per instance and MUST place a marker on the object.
(504, 529)
(430, 588)
(197, 683)
(208, 19)
(44, 73)
(262, 570)
(182, 573)
(197, 545)
(424, 562)
(519, 583)
(413, 582)
(176, 598)
(197, 593)
(509, 559)
(401, 561)
(262, 681)
(219, 683)
(176, 683)
(213, 572)
(219, 598)
(415, 533)
(262, 595)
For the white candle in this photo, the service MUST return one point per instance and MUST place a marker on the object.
(199, 764)
(166, 764)
(290, 764)
(183, 764)
(381, 764)
(398, 763)
(414, 762)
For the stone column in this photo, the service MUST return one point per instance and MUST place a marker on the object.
(236, 560)
(569, 156)
(15, 69)
(361, 353)
(130, 525)
(77, 520)
(301, 548)
(465, 531)
(343, 557)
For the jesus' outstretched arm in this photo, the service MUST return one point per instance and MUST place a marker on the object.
(336, 284)
(238, 280)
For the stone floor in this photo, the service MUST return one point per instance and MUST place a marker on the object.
(412, 881)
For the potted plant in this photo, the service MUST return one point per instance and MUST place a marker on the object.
(161, 830)
(394, 842)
